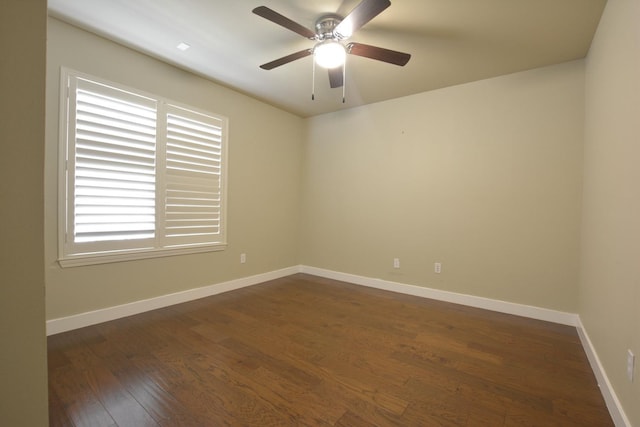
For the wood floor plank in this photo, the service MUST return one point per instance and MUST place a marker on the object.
(119, 403)
(304, 350)
(349, 419)
(58, 416)
(80, 404)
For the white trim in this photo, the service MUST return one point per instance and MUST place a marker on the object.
(608, 393)
(529, 311)
(611, 399)
(616, 411)
(63, 324)
(72, 253)
(119, 256)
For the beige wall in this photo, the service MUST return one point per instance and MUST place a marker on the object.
(484, 177)
(264, 175)
(610, 273)
(23, 363)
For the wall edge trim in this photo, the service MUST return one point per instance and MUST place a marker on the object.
(80, 320)
(539, 313)
(570, 319)
(608, 392)
(76, 321)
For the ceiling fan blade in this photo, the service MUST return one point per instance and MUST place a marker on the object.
(360, 15)
(286, 59)
(283, 21)
(336, 77)
(379, 53)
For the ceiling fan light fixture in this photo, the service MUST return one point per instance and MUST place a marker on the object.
(329, 54)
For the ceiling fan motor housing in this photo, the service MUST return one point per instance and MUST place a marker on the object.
(325, 26)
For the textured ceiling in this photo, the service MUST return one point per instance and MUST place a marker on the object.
(451, 42)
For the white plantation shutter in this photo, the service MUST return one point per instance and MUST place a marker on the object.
(114, 165)
(142, 176)
(193, 179)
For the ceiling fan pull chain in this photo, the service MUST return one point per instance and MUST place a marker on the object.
(344, 81)
(313, 81)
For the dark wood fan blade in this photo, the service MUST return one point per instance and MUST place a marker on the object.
(283, 21)
(286, 59)
(360, 15)
(379, 53)
(336, 77)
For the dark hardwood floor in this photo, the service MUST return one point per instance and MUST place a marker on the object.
(305, 351)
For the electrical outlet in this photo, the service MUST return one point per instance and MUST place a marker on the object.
(243, 258)
(437, 267)
(631, 361)
(396, 263)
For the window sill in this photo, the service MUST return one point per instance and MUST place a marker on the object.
(107, 258)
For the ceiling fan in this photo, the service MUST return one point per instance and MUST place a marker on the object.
(330, 35)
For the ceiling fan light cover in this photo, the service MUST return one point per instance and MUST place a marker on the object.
(329, 54)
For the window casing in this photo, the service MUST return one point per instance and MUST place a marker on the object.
(140, 176)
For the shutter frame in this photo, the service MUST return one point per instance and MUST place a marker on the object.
(95, 169)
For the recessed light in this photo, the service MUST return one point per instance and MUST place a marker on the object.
(183, 46)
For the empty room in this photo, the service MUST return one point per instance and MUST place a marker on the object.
(207, 224)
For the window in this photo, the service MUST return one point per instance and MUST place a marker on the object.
(140, 176)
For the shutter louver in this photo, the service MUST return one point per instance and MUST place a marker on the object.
(115, 165)
(193, 179)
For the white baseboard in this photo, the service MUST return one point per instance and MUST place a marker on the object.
(532, 312)
(611, 399)
(613, 404)
(618, 415)
(63, 324)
